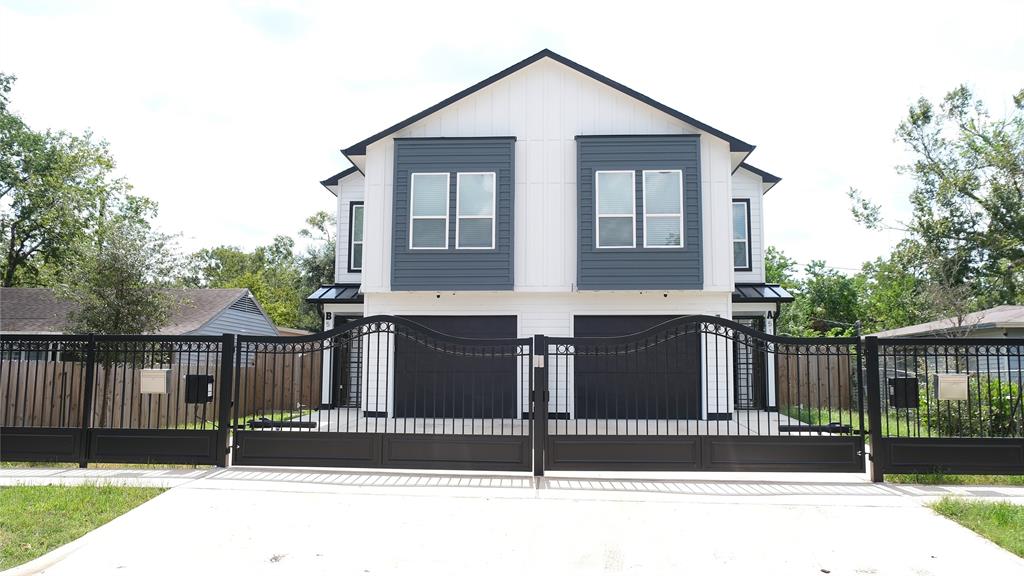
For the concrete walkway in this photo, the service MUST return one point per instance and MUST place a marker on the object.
(316, 521)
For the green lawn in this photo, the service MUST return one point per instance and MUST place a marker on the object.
(955, 479)
(1000, 522)
(892, 425)
(37, 519)
(243, 421)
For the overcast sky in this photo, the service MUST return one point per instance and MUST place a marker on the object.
(230, 113)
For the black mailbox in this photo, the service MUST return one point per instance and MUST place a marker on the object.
(903, 393)
(198, 388)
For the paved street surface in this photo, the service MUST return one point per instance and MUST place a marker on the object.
(312, 521)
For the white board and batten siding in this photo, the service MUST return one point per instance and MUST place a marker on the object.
(545, 106)
(747, 185)
(349, 189)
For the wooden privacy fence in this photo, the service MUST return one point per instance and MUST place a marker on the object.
(39, 393)
(816, 380)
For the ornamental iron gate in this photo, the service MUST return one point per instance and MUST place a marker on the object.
(427, 399)
(665, 399)
(689, 393)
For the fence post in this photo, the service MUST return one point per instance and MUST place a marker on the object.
(874, 409)
(87, 394)
(226, 397)
(540, 402)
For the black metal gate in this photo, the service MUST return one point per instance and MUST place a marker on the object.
(645, 414)
(463, 403)
(946, 405)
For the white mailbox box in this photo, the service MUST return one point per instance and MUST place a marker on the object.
(155, 381)
(951, 386)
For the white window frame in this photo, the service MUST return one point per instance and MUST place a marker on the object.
(746, 240)
(447, 209)
(494, 209)
(680, 214)
(352, 235)
(597, 208)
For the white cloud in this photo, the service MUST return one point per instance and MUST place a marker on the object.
(229, 114)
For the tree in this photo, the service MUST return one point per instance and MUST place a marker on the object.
(270, 272)
(317, 264)
(968, 199)
(55, 190)
(120, 281)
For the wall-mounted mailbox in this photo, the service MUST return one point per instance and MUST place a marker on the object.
(198, 388)
(155, 381)
(951, 386)
(903, 393)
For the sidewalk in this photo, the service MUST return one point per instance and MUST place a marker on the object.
(317, 521)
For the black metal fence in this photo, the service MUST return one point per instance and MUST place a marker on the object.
(694, 393)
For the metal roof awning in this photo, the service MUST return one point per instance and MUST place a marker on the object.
(760, 293)
(336, 294)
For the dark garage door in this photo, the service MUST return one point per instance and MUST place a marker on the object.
(655, 381)
(435, 384)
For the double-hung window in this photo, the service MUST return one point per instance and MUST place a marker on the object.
(663, 208)
(616, 208)
(474, 210)
(355, 237)
(428, 227)
(741, 234)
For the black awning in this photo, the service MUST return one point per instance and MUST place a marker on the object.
(760, 293)
(336, 294)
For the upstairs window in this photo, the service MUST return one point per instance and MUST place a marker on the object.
(355, 237)
(428, 227)
(741, 234)
(474, 210)
(663, 208)
(616, 208)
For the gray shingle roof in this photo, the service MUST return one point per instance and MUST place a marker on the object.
(40, 310)
(1005, 316)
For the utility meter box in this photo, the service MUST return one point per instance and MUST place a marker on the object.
(155, 381)
(903, 393)
(198, 388)
(951, 386)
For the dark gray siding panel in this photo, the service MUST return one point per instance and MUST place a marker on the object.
(453, 269)
(640, 268)
(237, 322)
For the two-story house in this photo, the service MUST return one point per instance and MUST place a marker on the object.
(550, 199)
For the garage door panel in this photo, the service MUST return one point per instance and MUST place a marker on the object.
(444, 380)
(646, 378)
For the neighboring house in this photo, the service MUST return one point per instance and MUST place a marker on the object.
(202, 312)
(549, 199)
(984, 359)
(1004, 321)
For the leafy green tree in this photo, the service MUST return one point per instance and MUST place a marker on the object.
(968, 199)
(779, 268)
(121, 278)
(55, 190)
(317, 263)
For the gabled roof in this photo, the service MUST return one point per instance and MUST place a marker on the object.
(735, 144)
(40, 310)
(333, 180)
(1005, 316)
(769, 180)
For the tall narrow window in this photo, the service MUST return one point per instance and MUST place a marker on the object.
(428, 227)
(663, 208)
(474, 210)
(741, 234)
(355, 237)
(616, 209)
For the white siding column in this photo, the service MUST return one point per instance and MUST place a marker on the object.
(769, 328)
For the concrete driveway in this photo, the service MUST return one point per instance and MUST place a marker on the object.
(274, 521)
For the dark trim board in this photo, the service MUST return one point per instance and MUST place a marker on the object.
(719, 416)
(374, 414)
(22, 444)
(154, 446)
(735, 144)
(274, 448)
(711, 453)
(951, 455)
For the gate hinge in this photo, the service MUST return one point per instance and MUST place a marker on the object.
(538, 360)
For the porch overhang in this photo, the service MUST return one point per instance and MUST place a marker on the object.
(760, 292)
(336, 294)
